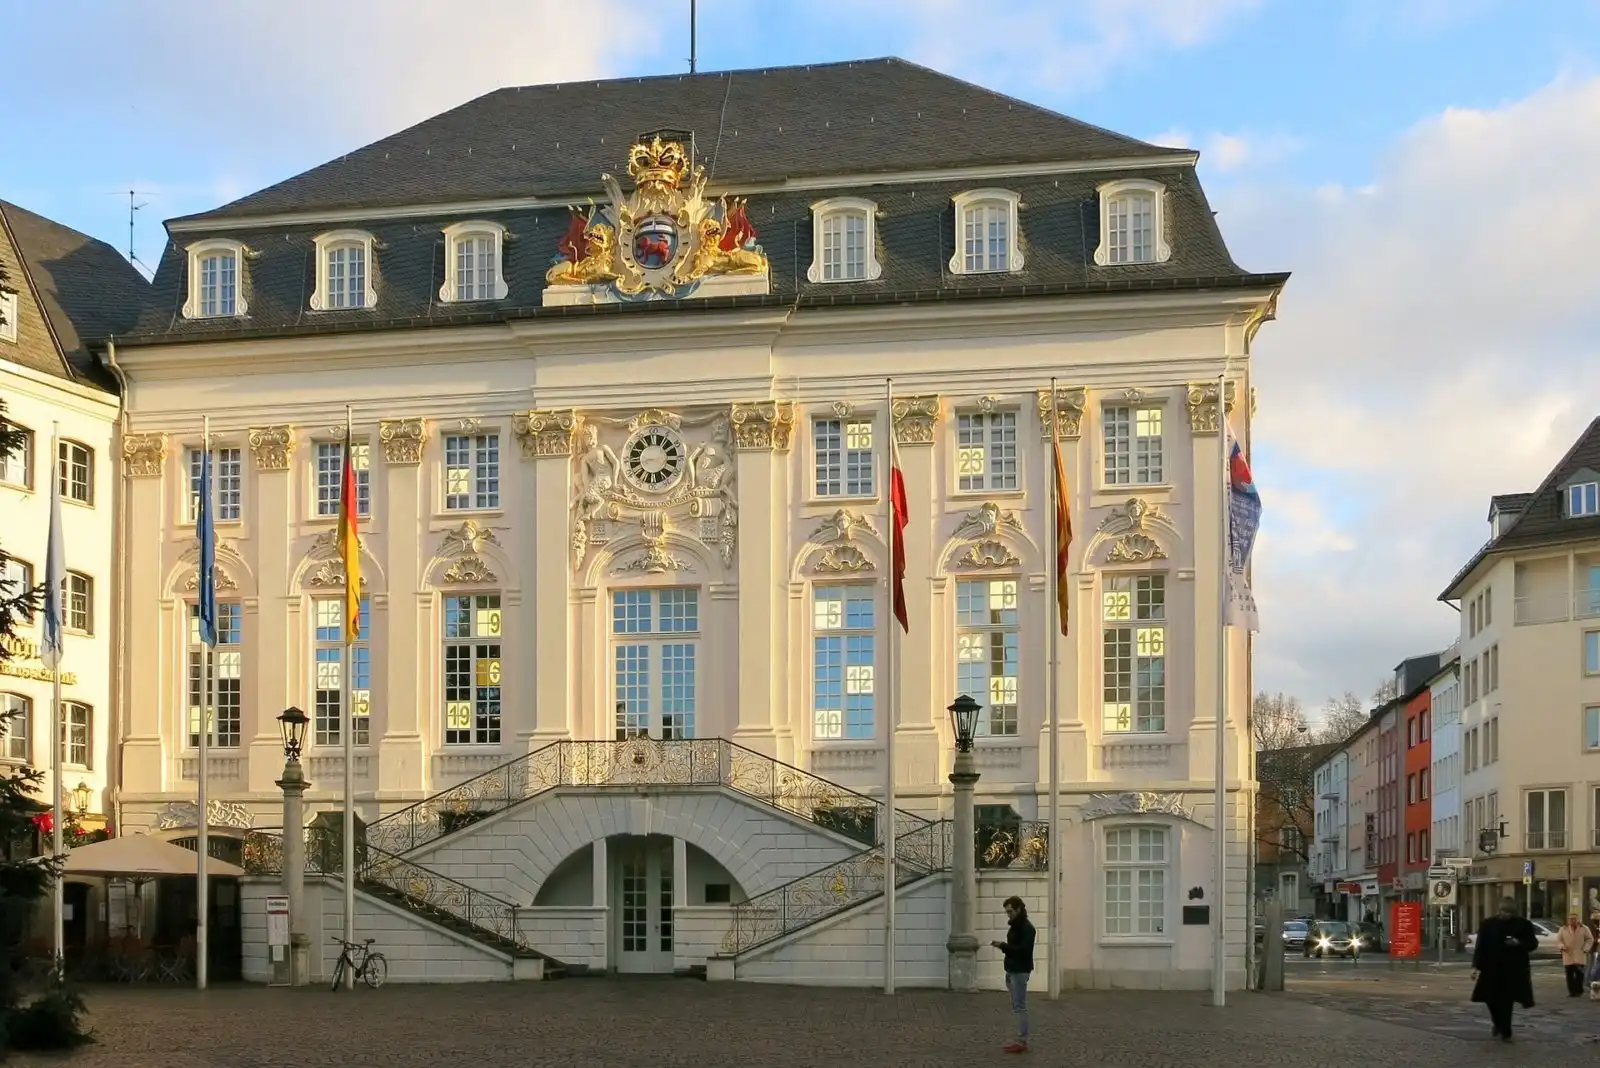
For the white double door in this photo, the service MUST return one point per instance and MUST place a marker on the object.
(642, 904)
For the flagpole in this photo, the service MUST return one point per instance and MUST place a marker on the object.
(890, 692)
(208, 701)
(54, 554)
(1219, 965)
(349, 725)
(1053, 842)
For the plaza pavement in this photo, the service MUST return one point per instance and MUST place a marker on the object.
(1328, 1019)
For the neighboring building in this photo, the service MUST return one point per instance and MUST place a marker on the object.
(621, 477)
(1330, 849)
(1390, 808)
(1530, 655)
(1285, 826)
(1418, 815)
(1361, 876)
(1446, 757)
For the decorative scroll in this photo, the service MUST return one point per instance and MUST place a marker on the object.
(271, 446)
(1069, 406)
(546, 433)
(469, 570)
(763, 425)
(1024, 844)
(224, 581)
(1100, 806)
(143, 455)
(469, 537)
(403, 440)
(180, 814)
(915, 419)
(1202, 400)
(839, 559)
(1135, 549)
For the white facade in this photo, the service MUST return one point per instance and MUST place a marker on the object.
(1447, 836)
(83, 420)
(1330, 857)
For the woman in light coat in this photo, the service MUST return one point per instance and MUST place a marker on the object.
(1576, 941)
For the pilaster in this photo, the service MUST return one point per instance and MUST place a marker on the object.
(144, 458)
(267, 637)
(761, 432)
(402, 745)
(1208, 467)
(915, 420)
(546, 439)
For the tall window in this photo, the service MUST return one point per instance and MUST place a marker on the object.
(75, 469)
(8, 317)
(16, 469)
(1134, 641)
(1583, 499)
(475, 267)
(986, 237)
(227, 483)
(986, 450)
(1591, 729)
(843, 449)
(1594, 818)
(1133, 446)
(654, 667)
(347, 276)
(225, 661)
(472, 669)
(844, 247)
(1547, 819)
(472, 471)
(76, 722)
(843, 685)
(987, 642)
(1130, 227)
(330, 476)
(1136, 881)
(15, 712)
(15, 578)
(1591, 652)
(328, 637)
(77, 602)
(219, 282)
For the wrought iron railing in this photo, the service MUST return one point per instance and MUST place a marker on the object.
(430, 894)
(836, 887)
(1019, 844)
(639, 762)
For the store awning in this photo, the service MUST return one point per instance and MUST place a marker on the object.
(141, 856)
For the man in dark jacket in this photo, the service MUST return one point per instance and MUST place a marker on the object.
(1018, 951)
(1500, 972)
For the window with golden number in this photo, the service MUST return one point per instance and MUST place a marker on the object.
(472, 669)
(987, 644)
(1134, 646)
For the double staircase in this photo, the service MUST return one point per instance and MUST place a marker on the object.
(386, 867)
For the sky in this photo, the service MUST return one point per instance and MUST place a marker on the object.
(1425, 169)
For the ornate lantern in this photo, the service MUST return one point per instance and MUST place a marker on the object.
(964, 719)
(292, 722)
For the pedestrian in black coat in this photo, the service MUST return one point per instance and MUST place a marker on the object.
(1500, 972)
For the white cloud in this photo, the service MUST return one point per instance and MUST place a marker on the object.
(1434, 347)
(1223, 153)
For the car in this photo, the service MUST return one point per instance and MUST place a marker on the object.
(1547, 933)
(1294, 933)
(1372, 940)
(1327, 938)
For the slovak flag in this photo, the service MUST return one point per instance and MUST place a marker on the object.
(1244, 519)
(901, 515)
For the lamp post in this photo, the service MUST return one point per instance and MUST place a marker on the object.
(292, 722)
(80, 798)
(963, 944)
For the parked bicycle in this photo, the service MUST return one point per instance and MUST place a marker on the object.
(365, 964)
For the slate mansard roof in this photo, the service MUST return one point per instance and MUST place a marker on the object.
(752, 130)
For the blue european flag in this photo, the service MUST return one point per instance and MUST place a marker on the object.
(205, 532)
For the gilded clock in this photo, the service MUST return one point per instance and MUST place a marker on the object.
(653, 459)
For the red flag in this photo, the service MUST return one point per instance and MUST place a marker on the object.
(1063, 539)
(902, 513)
(350, 544)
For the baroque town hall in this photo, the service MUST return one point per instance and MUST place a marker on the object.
(617, 355)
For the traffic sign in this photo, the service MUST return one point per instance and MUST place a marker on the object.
(1458, 862)
(1527, 869)
(1441, 892)
(1441, 872)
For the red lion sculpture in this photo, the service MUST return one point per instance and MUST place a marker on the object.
(736, 229)
(572, 243)
(653, 249)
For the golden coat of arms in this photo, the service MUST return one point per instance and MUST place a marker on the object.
(663, 237)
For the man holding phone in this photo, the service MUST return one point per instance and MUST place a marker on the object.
(1018, 951)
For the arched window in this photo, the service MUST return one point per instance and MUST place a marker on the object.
(844, 240)
(472, 262)
(216, 270)
(986, 237)
(1132, 223)
(344, 271)
(15, 713)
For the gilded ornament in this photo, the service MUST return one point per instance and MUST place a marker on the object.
(331, 574)
(224, 581)
(469, 570)
(1202, 402)
(1132, 803)
(839, 559)
(402, 440)
(915, 418)
(987, 554)
(143, 455)
(1069, 404)
(1135, 549)
(271, 446)
(182, 814)
(762, 425)
(545, 433)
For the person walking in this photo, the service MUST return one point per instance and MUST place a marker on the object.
(1500, 973)
(1018, 951)
(1576, 941)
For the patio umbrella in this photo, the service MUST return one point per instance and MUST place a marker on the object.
(140, 856)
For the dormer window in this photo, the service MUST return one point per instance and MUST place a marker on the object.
(844, 237)
(1583, 499)
(986, 232)
(1132, 223)
(215, 269)
(472, 267)
(344, 272)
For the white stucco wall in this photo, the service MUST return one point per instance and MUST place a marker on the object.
(572, 934)
(697, 933)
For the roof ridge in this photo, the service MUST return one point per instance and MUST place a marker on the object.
(708, 74)
(60, 351)
(1550, 478)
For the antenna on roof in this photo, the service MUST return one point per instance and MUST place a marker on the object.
(691, 36)
(132, 207)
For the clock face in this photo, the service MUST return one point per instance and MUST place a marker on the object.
(653, 459)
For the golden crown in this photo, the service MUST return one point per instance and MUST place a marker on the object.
(658, 162)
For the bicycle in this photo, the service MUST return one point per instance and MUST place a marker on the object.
(365, 964)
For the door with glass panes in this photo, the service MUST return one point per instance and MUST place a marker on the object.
(655, 639)
(642, 893)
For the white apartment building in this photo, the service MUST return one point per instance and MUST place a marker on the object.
(623, 509)
(1446, 758)
(1530, 693)
(1330, 853)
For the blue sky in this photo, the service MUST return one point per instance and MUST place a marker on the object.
(1389, 152)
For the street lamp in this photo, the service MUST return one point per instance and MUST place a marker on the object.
(292, 723)
(963, 944)
(80, 797)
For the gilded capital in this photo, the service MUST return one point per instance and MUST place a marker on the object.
(1069, 402)
(272, 446)
(144, 454)
(403, 440)
(915, 419)
(762, 425)
(1202, 402)
(545, 433)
